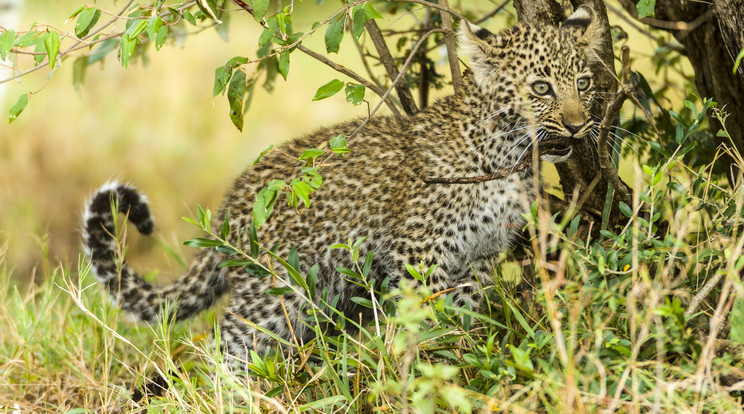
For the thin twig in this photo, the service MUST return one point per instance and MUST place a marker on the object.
(493, 12)
(404, 92)
(681, 26)
(449, 40)
(369, 85)
(543, 149)
(436, 6)
(397, 78)
(633, 23)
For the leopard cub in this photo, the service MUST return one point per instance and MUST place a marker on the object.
(526, 84)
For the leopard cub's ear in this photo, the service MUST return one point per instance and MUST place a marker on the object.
(585, 22)
(479, 46)
(472, 40)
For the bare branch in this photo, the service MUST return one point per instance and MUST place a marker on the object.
(611, 113)
(397, 78)
(542, 149)
(436, 6)
(449, 40)
(404, 92)
(493, 12)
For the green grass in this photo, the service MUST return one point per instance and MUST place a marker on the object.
(598, 327)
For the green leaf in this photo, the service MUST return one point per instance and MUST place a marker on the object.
(310, 154)
(625, 209)
(348, 272)
(223, 74)
(234, 263)
(278, 291)
(75, 13)
(645, 8)
(320, 405)
(359, 19)
(102, 50)
(294, 259)
(256, 270)
(205, 218)
(362, 301)
(329, 89)
(225, 230)
(284, 64)
(6, 43)
(271, 147)
(414, 272)
(18, 107)
(136, 29)
(338, 144)
(367, 263)
(265, 201)
(86, 20)
(79, 69)
(126, 49)
(51, 43)
(302, 191)
(312, 279)
(40, 50)
(265, 37)
(235, 95)
(296, 278)
(253, 240)
(355, 93)
(739, 57)
(259, 9)
(189, 17)
(202, 242)
(371, 12)
(736, 333)
(29, 39)
(161, 37)
(153, 26)
(334, 34)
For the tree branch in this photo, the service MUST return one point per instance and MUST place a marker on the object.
(404, 92)
(397, 78)
(611, 113)
(542, 149)
(449, 40)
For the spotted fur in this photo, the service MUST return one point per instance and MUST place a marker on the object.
(524, 86)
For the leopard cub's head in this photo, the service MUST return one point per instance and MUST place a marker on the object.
(538, 79)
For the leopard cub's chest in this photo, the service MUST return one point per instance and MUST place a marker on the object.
(481, 219)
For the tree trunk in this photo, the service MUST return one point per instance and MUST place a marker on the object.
(712, 45)
(579, 171)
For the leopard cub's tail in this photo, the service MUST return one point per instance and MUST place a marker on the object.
(198, 289)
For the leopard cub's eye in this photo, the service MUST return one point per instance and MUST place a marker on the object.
(583, 84)
(541, 87)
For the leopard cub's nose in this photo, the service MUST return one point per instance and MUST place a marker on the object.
(573, 128)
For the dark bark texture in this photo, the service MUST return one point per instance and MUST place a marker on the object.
(712, 47)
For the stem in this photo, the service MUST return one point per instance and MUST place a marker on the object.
(404, 92)
(449, 40)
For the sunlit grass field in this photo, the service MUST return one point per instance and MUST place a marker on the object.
(624, 343)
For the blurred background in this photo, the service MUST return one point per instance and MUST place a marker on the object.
(156, 125)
